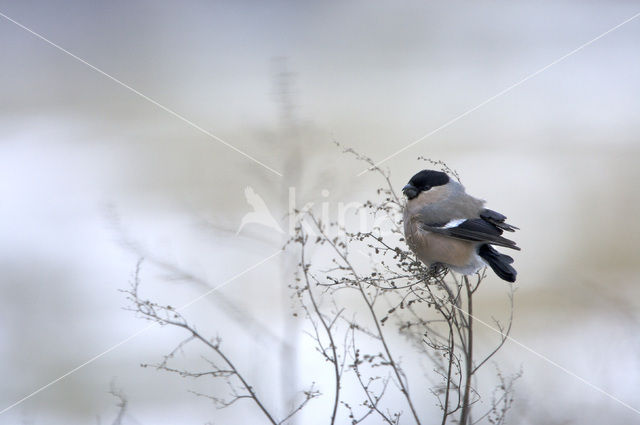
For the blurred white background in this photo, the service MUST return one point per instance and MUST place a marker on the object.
(88, 168)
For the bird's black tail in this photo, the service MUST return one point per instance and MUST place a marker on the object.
(499, 263)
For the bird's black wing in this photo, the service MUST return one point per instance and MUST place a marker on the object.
(473, 229)
(497, 220)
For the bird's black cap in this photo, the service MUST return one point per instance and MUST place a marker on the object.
(424, 180)
(429, 178)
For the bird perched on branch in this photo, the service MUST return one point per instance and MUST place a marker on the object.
(444, 225)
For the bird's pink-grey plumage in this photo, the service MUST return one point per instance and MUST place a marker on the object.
(444, 225)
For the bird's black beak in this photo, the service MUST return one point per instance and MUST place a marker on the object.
(410, 191)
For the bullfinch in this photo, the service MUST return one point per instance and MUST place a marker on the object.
(444, 225)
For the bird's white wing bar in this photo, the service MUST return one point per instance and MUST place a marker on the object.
(454, 223)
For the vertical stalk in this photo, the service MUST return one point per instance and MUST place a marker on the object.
(464, 415)
(452, 347)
